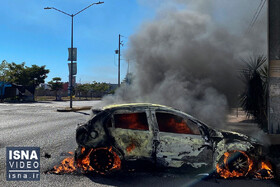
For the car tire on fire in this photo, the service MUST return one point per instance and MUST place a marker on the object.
(103, 160)
(234, 164)
(238, 162)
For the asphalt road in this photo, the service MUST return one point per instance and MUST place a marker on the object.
(40, 125)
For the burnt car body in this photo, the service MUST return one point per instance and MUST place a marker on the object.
(165, 137)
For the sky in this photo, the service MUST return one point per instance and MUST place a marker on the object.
(30, 34)
(33, 35)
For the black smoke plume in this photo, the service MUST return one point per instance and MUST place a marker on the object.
(184, 59)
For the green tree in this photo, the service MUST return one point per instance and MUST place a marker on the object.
(99, 89)
(3, 70)
(56, 85)
(26, 76)
(83, 89)
(254, 97)
(96, 89)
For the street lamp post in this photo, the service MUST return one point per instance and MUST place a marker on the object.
(71, 53)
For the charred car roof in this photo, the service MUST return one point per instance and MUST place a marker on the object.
(138, 106)
(133, 105)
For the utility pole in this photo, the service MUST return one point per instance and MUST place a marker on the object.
(127, 66)
(119, 63)
(71, 51)
(274, 66)
(71, 66)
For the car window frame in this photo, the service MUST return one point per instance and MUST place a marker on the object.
(130, 112)
(182, 116)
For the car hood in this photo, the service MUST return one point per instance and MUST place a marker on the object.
(230, 135)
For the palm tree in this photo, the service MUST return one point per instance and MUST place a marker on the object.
(254, 97)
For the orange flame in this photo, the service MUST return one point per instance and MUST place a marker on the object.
(265, 172)
(84, 163)
(130, 147)
(68, 165)
(223, 169)
(117, 160)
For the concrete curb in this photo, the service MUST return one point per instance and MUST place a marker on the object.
(73, 109)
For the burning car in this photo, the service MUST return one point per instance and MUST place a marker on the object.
(119, 136)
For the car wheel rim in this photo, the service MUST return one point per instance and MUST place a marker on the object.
(102, 160)
(238, 162)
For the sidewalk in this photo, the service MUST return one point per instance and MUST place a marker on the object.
(240, 123)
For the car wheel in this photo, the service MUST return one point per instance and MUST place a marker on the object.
(238, 162)
(234, 164)
(104, 160)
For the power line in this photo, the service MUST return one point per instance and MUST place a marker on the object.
(259, 13)
(256, 12)
(256, 15)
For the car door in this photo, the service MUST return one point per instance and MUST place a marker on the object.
(181, 142)
(132, 133)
